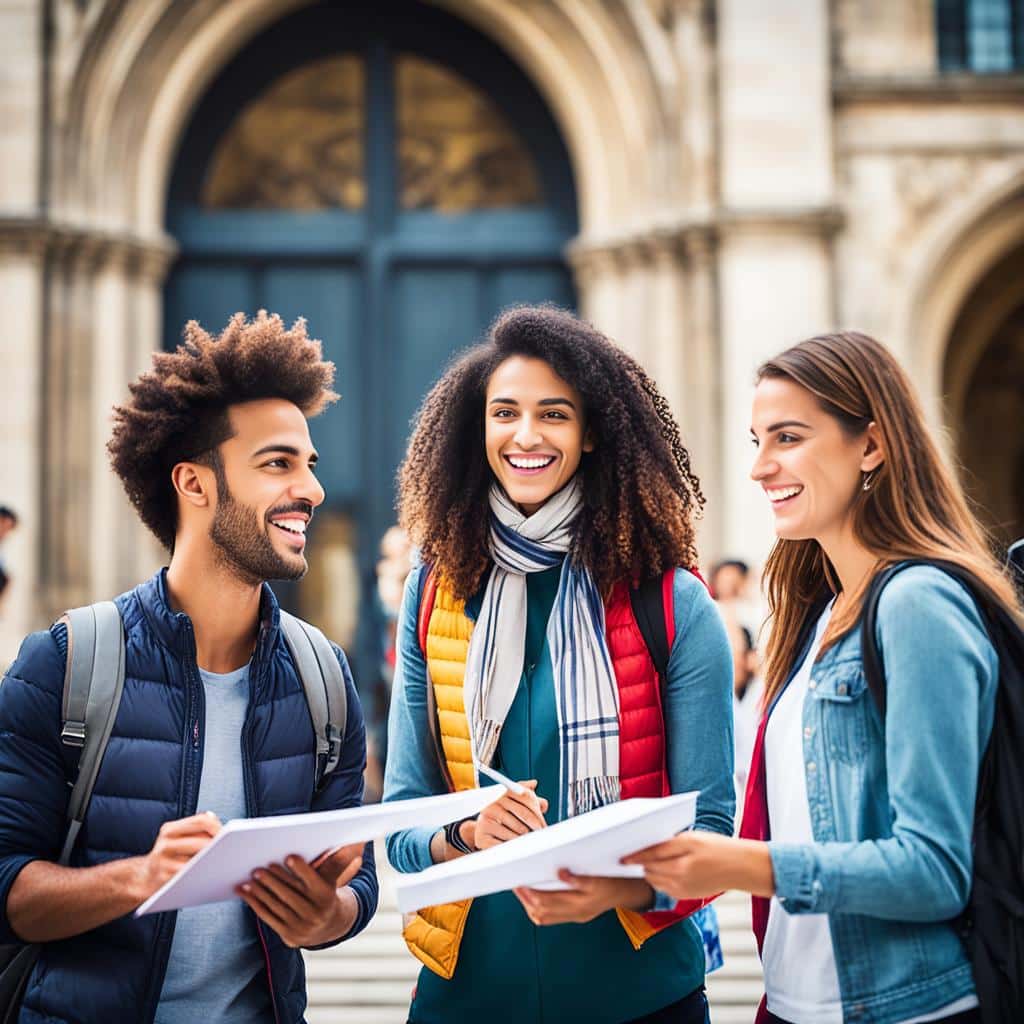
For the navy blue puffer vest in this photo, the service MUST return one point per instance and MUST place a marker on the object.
(150, 775)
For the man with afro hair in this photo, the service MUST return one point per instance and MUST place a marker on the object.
(214, 451)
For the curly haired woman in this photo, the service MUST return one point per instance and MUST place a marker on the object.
(545, 477)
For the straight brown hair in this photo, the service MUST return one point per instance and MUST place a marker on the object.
(915, 508)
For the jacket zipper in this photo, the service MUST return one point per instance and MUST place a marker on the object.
(250, 792)
(270, 973)
(188, 796)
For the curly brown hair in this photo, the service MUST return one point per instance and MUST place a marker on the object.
(640, 495)
(178, 411)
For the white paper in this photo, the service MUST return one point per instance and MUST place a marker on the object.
(245, 844)
(589, 844)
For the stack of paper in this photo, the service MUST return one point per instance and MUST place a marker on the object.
(590, 844)
(249, 843)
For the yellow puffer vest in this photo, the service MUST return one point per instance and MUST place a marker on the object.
(434, 934)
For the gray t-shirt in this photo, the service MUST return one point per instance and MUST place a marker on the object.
(216, 969)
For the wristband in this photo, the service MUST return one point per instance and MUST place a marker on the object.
(453, 835)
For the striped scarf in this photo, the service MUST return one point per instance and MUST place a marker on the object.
(586, 694)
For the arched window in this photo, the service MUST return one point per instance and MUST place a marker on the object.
(985, 36)
(299, 145)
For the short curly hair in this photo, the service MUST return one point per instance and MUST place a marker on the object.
(640, 495)
(178, 411)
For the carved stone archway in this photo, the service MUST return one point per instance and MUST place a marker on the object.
(628, 84)
(984, 388)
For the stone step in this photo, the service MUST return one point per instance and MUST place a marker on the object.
(340, 968)
(364, 992)
(725, 991)
(355, 1014)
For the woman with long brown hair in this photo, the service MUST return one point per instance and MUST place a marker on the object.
(545, 478)
(869, 820)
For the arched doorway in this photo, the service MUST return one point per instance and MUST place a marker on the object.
(983, 379)
(392, 176)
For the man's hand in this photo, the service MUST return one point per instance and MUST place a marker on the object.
(510, 816)
(588, 898)
(307, 904)
(695, 865)
(49, 902)
(176, 843)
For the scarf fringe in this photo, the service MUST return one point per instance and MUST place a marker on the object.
(589, 794)
(487, 741)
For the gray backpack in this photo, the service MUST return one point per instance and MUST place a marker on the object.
(93, 681)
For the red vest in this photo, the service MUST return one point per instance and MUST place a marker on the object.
(643, 770)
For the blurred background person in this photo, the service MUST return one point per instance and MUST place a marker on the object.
(729, 580)
(734, 586)
(396, 559)
(8, 521)
(747, 689)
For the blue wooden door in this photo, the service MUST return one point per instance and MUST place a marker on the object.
(392, 177)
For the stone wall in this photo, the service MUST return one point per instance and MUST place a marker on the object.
(748, 173)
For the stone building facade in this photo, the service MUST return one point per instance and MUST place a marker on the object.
(744, 174)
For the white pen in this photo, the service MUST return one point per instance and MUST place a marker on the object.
(493, 773)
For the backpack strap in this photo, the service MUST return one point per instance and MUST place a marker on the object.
(650, 611)
(428, 597)
(1015, 563)
(428, 594)
(324, 683)
(93, 682)
(874, 673)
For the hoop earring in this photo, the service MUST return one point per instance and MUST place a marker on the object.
(869, 479)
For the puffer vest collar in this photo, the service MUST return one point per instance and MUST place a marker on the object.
(174, 629)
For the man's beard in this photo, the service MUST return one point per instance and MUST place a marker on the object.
(244, 546)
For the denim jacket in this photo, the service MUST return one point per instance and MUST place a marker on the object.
(892, 807)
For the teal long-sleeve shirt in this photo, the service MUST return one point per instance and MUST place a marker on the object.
(508, 968)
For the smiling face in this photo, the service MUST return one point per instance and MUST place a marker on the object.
(533, 430)
(267, 491)
(810, 468)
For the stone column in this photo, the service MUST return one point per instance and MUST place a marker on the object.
(656, 295)
(68, 428)
(598, 285)
(141, 554)
(703, 382)
(694, 43)
(126, 330)
(22, 259)
(776, 222)
(23, 241)
(110, 334)
(636, 317)
(666, 330)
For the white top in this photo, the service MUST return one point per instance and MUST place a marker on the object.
(799, 963)
(801, 981)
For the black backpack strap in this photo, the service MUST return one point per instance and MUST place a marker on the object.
(322, 679)
(1015, 563)
(874, 672)
(649, 612)
(93, 683)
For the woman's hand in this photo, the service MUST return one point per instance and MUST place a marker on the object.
(695, 865)
(510, 816)
(588, 898)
